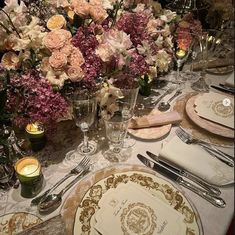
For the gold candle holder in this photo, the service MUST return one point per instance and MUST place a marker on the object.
(36, 136)
(28, 170)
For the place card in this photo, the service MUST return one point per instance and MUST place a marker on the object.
(128, 209)
(216, 107)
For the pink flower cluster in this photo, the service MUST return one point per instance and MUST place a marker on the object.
(87, 42)
(188, 28)
(134, 24)
(64, 56)
(32, 99)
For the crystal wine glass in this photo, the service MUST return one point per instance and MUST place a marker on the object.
(84, 112)
(116, 129)
(210, 42)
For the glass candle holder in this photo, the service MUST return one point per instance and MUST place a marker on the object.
(36, 136)
(28, 170)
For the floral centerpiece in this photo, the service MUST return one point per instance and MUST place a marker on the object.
(51, 46)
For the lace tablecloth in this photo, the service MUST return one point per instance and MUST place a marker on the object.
(215, 221)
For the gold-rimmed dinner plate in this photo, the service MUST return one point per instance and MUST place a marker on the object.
(81, 206)
(14, 223)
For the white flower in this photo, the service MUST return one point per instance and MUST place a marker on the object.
(163, 60)
(56, 77)
(108, 4)
(32, 36)
(114, 43)
(168, 16)
(146, 50)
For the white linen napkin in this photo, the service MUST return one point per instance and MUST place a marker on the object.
(196, 160)
(230, 80)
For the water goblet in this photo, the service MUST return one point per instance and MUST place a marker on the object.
(116, 130)
(84, 112)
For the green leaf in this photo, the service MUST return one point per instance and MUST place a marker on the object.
(77, 21)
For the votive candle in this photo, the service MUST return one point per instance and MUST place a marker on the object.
(29, 173)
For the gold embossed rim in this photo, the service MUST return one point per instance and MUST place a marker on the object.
(13, 223)
(156, 185)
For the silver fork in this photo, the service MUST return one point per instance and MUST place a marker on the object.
(75, 171)
(188, 139)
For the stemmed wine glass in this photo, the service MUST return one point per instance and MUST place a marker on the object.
(116, 130)
(84, 112)
(184, 42)
(209, 42)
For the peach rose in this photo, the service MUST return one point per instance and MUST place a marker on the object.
(55, 40)
(75, 73)
(76, 58)
(10, 61)
(81, 7)
(66, 49)
(57, 60)
(45, 66)
(98, 14)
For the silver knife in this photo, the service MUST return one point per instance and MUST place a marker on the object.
(180, 171)
(158, 167)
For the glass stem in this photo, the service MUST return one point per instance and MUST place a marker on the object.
(85, 141)
(178, 71)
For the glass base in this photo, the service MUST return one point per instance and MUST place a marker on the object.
(121, 156)
(72, 158)
(89, 150)
(200, 85)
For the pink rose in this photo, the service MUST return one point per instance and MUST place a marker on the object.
(55, 39)
(45, 66)
(98, 14)
(76, 58)
(81, 7)
(66, 49)
(57, 60)
(75, 73)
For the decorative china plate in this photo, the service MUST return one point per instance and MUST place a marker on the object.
(206, 124)
(14, 223)
(83, 210)
(221, 70)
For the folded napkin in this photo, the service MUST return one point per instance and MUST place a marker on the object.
(214, 64)
(196, 160)
(230, 80)
(155, 119)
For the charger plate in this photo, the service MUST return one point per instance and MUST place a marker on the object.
(81, 205)
(206, 124)
(13, 223)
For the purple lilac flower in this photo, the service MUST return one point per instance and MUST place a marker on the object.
(138, 65)
(33, 99)
(86, 41)
(135, 25)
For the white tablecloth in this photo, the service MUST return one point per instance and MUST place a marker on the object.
(215, 221)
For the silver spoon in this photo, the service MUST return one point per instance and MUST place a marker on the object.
(165, 105)
(53, 201)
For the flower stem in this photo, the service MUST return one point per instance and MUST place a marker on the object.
(13, 26)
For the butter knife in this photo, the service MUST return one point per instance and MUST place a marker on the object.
(180, 171)
(158, 167)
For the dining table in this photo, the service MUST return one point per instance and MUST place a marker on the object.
(214, 220)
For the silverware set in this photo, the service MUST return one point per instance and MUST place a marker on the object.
(48, 202)
(213, 151)
(208, 192)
